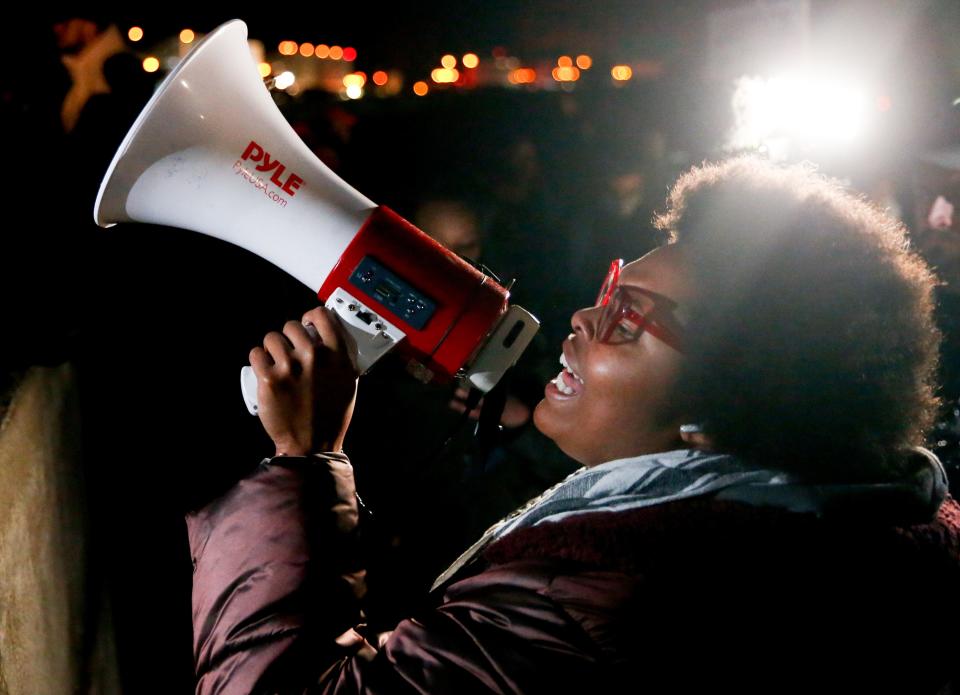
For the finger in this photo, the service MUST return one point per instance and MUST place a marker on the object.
(328, 327)
(298, 335)
(333, 334)
(260, 361)
(279, 349)
(314, 316)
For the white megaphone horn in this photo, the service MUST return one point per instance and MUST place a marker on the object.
(212, 153)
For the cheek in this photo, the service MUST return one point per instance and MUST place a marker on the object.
(634, 395)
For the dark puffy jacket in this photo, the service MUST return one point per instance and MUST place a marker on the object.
(691, 596)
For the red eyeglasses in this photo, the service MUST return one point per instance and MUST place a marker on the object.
(629, 311)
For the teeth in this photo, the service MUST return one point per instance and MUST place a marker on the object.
(561, 386)
(563, 362)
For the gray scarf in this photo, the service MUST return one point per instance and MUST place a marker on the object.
(652, 479)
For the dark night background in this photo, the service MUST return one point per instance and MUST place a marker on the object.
(554, 183)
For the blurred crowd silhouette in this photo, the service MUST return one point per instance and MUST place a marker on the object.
(544, 188)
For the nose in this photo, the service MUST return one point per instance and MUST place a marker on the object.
(584, 321)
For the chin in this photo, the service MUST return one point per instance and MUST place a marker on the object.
(547, 425)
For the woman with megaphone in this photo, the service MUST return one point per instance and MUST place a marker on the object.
(754, 512)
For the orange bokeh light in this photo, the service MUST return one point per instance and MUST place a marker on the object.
(336, 52)
(135, 33)
(306, 50)
(522, 76)
(187, 36)
(151, 64)
(566, 73)
(380, 78)
(322, 51)
(584, 62)
(470, 60)
(287, 48)
(621, 73)
(420, 88)
(564, 61)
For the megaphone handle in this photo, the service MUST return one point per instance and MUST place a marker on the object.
(248, 387)
(367, 338)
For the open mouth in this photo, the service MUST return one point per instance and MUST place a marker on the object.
(568, 382)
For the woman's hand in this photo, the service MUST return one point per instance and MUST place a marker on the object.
(516, 413)
(306, 384)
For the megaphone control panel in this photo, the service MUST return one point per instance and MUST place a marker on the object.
(391, 290)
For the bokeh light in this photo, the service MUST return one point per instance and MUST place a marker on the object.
(380, 78)
(522, 76)
(285, 80)
(151, 64)
(357, 79)
(322, 51)
(621, 73)
(444, 75)
(135, 33)
(470, 60)
(349, 54)
(336, 52)
(187, 36)
(448, 61)
(287, 48)
(264, 69)
(420, 88)
(566, 73)
(564, 61)
(584, 62)
(306, 50)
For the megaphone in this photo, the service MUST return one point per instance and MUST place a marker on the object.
(212, 153)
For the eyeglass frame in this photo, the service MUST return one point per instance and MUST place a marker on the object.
(613, 294)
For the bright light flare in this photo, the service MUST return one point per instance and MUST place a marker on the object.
(135, 33)
(151, 64)
(621, 73)
(354, 91)
(449, 62)
(789, 110)
(284, 80)
(470, 60)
